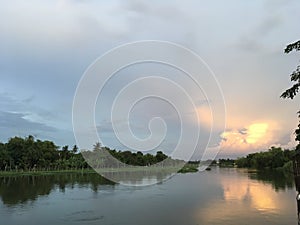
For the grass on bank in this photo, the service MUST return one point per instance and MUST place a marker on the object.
(188, 168)
(42, 173)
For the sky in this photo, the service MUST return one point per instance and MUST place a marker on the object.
(46, 47)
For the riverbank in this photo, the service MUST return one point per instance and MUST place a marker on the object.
(185, 169)
(42, 173)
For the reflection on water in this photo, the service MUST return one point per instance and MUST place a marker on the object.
(139, 178)
(266, 196)
(278, 179)
(220, 196)
(261, 197)
(21, 189)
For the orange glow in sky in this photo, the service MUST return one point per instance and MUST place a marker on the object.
(256, 132)
(244, 134)
(257, 135)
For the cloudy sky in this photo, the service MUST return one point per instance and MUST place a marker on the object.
(46, 46)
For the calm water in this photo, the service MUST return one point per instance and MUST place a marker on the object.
(219, 196)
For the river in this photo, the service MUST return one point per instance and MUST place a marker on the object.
(226, 196)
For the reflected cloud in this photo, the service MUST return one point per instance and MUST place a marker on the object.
(244, 197)
(234, 191)
(260, 197)
(264, 198)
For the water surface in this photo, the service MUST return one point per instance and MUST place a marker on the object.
(220, 196)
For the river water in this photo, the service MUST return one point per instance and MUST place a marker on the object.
(220, 196)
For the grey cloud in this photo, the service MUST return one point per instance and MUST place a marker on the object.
(254, 40)
(13, 103)
(165, 10)
(270, 24)
(273, 5)
(105, 127)
(14, 124)
(136, 6)
(30, 110)
(17, 121)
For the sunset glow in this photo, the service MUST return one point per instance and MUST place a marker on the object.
(257, 135)
(205, 116)
(256, 132)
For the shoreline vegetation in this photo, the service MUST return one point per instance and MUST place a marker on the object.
(188, 168)
(27, 156)
(274, 159)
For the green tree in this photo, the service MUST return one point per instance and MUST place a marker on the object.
(271, 159)
(149, 159)
(15, 148)
(4, 157)
(242, 162)
(140, 159)
(293, 91)
(74, 149)
(160, 156)
(97, 146)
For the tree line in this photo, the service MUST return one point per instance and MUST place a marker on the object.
(29, 154)
(104, 157)
(271, 159)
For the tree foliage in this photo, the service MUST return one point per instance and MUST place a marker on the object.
(30, 154)
(293, 91)
(100, 157)
(271, 159)
(226, 162)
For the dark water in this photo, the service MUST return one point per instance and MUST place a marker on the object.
(219, 196)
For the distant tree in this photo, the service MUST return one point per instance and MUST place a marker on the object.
(30, 154)
(74, 149)
(243, 162)
(226, 162)
(293, 91)
(278, 159)
(65, 152)
(127, 158)
(271, 159)
(15, 148)
(48, 152)
(97, 146)
(160, 156)
(4, 157)
(149, 159)
(140, 161)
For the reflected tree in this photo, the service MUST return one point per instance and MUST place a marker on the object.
(23, 189)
